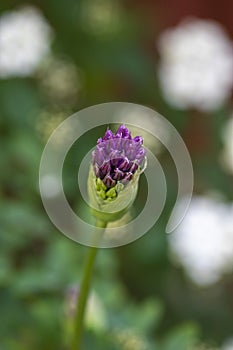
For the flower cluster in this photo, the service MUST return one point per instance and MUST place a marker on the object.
(203, 243)
(117, 157)
(25, 39)
(196, 66)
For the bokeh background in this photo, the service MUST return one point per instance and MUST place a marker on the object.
(169, 292)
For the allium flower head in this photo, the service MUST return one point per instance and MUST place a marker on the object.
(117, 161)
(117, 156)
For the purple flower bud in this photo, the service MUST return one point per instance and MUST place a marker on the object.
(124, 143)
(104, 169)
(108, 146)
(123, 132)
(116, 142)
(133, 167)
(108, 181)
(124, 164)
(138, 139)
(117, 174)
(98, 155)
(131, 151)
(128, 176)
(108, 135)
(117, 156)
(140, 156)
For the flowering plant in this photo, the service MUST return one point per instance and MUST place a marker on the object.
(117, 162)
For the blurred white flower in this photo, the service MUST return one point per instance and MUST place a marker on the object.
(227, 155)
(25, 38)
(196, 68)
(228, 344)
(60, 80)
(203, 243)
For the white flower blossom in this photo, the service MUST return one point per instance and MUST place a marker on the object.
(196, 67)
(25, 39)
(203, 243)
(228, 344)
(227, 155)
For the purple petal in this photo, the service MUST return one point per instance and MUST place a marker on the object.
(108, 135)
(133, 167)
(99, 155)
(124, 164)
(141, 155)
(131, 151)
(115, 157)
(104, 169)
(116, 142)
(117, 174)
(138, 139)
(141, 152)
(125, 143)
(108, 146)
(108, 181)
(123, 132)
(128, 176)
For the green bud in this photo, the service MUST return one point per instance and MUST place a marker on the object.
(112, 193)
(111, 204)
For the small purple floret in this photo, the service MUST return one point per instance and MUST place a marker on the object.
(118, 156)
(109, 181)
(118, 174)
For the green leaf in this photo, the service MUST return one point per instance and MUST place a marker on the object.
(182, 338)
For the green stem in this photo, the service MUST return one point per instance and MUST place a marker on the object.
(83, 294)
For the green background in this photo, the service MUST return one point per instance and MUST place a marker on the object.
(147, 302)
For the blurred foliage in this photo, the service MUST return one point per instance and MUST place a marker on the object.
(148, 303)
